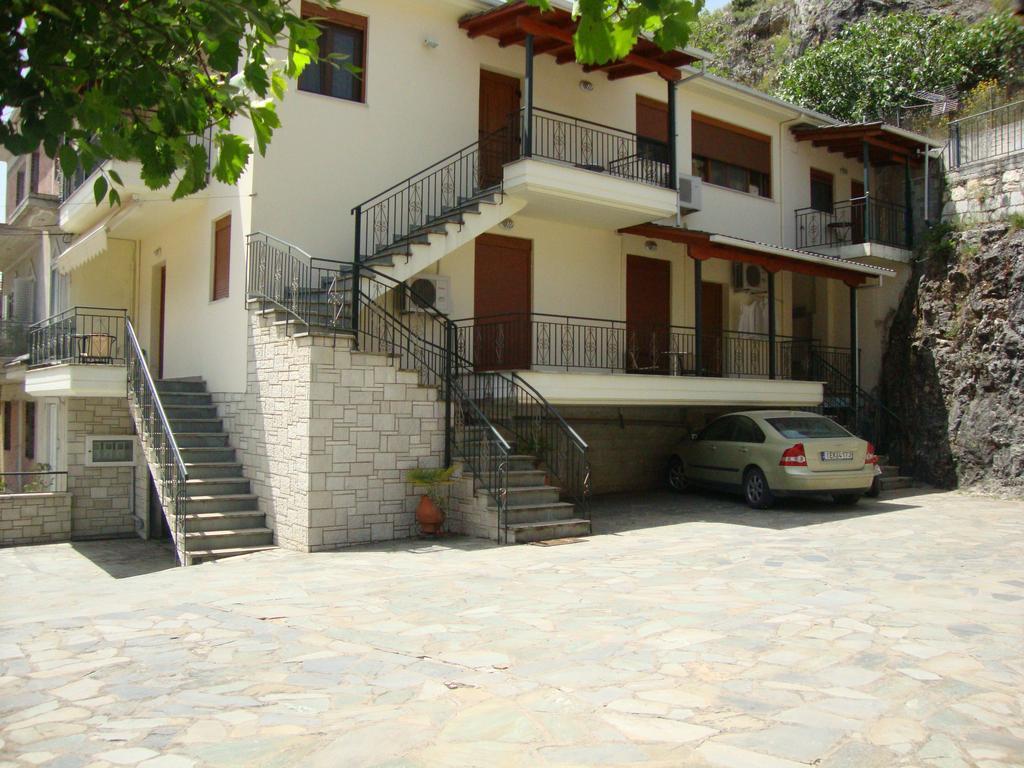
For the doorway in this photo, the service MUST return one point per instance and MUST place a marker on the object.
(499, 125)
(712, 304)
(156, 363)
(502, 303)
(648, 314)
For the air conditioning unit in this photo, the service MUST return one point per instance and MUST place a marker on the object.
(749, 278)
(427, 291)
(691, 190)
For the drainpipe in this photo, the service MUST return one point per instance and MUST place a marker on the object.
(673, 158)
(528, 128)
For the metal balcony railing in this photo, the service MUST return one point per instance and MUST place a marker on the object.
(851, 222)
(13, 338)
(994, 133)
(85, 335)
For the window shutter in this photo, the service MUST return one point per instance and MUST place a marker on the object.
(221, 258)
(735, 146)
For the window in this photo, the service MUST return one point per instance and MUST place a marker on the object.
(110, 451)
(821, 191)
(747, 431)
(221, 257)
(30, 430)
(19, 186)
(344, 34)
(33, 174)
(652, 129)
(8, 426)
(807, 427)
(732, 157)
(720, 429)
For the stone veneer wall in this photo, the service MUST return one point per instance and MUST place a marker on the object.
(326, 434)
(101, 497)
(34, 518)
(985, 192)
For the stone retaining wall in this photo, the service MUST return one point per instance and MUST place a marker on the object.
(34, 518)
(985, 192)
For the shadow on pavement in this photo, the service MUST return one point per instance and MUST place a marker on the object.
(125, 558)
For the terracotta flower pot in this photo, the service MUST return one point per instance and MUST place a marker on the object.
(429, 516)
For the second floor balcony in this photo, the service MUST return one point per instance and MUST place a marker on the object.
(856, 222)
(78, 353)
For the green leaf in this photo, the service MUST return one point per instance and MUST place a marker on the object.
(99, 188)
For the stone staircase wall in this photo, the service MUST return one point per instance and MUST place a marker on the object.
(326, 435)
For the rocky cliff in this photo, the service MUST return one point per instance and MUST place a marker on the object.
(954, 368)
(750, 39)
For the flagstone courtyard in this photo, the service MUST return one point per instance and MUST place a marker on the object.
(689, 631)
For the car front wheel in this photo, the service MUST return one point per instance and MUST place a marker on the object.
(677, 475)
(756, 490)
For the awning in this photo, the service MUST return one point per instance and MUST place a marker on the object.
(886, 144)
(553, 30)
(774, 258)
(83, 249)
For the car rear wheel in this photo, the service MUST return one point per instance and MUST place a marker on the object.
(876, 488)
(677, 476)
(846, 499)
(756, 490)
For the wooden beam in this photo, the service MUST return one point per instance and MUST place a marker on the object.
(565, 54)
(483, 23)
(541, 29)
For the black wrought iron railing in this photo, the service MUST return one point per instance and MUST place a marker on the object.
(85, 335)
(545, 341)
(994, 133)
(161, 448)
(36, 481)
(596, 147)
(851, 222)
(313, 291)
(13, 338)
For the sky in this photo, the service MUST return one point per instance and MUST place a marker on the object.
(711, 5)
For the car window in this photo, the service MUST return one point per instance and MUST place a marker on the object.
(807, 427)
(720, 429)
(747, 431)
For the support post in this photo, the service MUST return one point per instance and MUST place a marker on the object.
(698, 323)
(867, 192)
(772, 360)
(854, 356)
(908, 200)
(927, 184)
(356, 261)
(450, 343)
(673, 178)
(528, 127)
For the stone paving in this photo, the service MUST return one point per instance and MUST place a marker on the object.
(693, 633)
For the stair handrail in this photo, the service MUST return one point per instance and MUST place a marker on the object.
(154, 427)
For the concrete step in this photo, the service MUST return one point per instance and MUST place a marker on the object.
(523, 533)
(526, 477)
(896, 482)
(217, 486)
(212, 469)
(540, 513)
(200, 455)
(178, 412)
(889, 471)
(229, 538)
(518, 463)
(200, 439)
(199, 556)
(196, 425)
(172, 399)
(180, 385)
(524, 496)
(225, 502)
(224, 521)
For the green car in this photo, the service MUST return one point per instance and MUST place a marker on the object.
(768, 454)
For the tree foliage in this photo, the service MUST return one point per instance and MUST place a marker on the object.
(141, 79)
(608, 29)
(875, 65)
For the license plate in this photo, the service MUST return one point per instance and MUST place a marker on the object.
(837, 455)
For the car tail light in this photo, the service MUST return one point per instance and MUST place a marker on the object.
(870, 457)
(794, 457)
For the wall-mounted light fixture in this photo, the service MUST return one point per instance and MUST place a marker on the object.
(508, 224)
(651, 246)
(430, 42)
(586, 85)
(843, 171)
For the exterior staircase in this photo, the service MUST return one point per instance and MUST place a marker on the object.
(892, 477)
(534, 511)
(223, 517)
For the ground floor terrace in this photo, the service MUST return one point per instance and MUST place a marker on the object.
(698, 634)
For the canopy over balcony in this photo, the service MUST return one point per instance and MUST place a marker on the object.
(552, 31)
(877, 142)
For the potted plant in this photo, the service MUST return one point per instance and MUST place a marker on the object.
(38, 484)
(430, 510)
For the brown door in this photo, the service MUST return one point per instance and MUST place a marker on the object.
(652, 124)
(499, 124)
(163, 307)
(648, 314)
(711, 304)
(502, 303)
(857, 212)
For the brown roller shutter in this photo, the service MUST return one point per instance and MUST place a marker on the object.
(731, 144)
(221, 257)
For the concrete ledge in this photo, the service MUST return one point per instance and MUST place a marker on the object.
(77, 380)
(34, 518)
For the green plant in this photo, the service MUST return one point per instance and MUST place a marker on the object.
(38, 484)
(433, 480)
(1015, 221)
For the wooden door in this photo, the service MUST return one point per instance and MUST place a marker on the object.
(499, 124)
(652, 124)
(857, 212)
(648, 314)
(163, 309)
(502, 303)
(711, 305)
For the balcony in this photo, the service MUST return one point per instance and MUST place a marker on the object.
(78, 353)
(651, 365)
(856, 228)
(13, 338)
